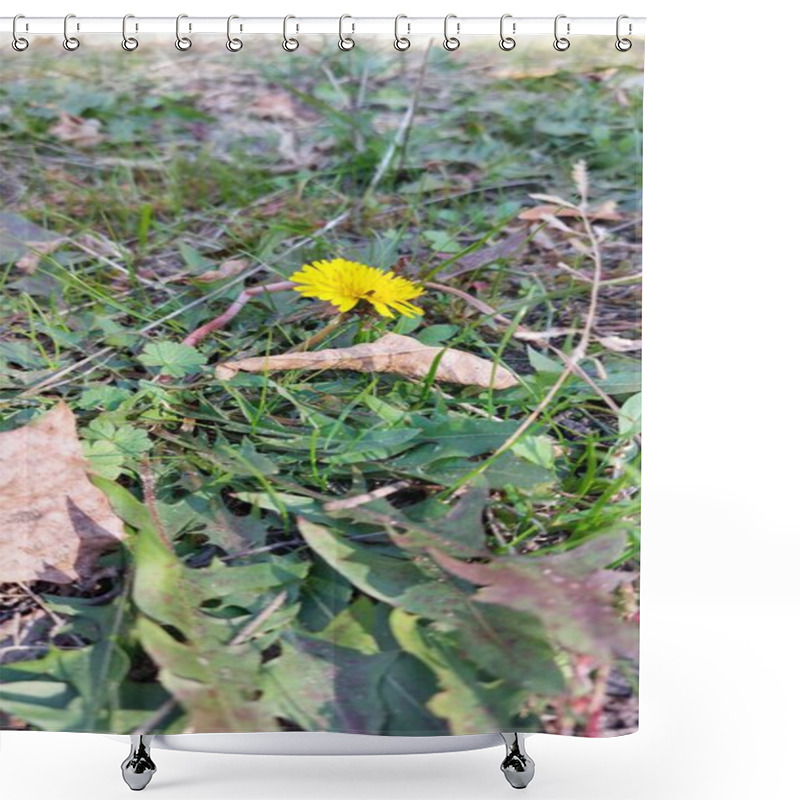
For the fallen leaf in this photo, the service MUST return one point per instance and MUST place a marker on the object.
(391, 353)
(37, 250)
(78, 131)
(227, 269)
(606, 211)
(18, 237)
(569, 592)
(619, 344)
(54, 522)
(273, 105)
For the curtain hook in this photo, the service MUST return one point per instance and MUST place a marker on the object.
(290, 44)
(561, 43)
(182, 42)
(623, 45)
(129, 43)
(346, 42)
(70, 42)
(507, 42)
(233, 44)
(451, 42)
(401, 42)
(19, 43)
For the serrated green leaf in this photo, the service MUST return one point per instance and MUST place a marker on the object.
(174, 358)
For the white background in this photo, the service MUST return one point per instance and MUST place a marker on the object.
(720, 710)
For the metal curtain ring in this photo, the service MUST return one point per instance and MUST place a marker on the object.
(401, 42)
(19, 43)
(507, 42)
(290, 44)
(182, 42)
(561, 43)
(129, 43)
(451, 42)
(70, 42)
(623, 45)
(233, 44)
(346, 42)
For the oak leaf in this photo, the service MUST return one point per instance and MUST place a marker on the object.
(54, 522)
(391, 353)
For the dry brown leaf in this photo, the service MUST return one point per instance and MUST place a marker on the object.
(619, 344)
(606, 211)
(54, 522)
(391, 353)
(78, 131)
(273, 105)
(227, 269)
(37, 250)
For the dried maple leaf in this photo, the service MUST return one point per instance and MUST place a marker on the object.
(391, 353)
(54, 522)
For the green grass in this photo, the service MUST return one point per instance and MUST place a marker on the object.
(185, 178)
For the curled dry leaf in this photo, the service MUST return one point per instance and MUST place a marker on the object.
(605, 211)
(391, 353)
(54, 522)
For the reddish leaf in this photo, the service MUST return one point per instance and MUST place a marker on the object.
(570, 593)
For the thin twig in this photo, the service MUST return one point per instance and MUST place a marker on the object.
(158, 715)
(197, 335)
(401, 135)
(53, 380)
(570, 364)
(249, 629)
(366, 497)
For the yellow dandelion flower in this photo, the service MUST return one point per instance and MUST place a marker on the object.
(343, 283)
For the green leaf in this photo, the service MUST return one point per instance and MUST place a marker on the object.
(324, 594)
(104, 397)
(436, 334)
(468, 705)
(174, 359)
(209, 663)
(630, 416)
(107, 445)
(516, 648)
(351, 628)
(321, 686)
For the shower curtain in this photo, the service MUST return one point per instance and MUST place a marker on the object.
(320, 387)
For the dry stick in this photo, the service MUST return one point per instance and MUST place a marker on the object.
(525, 334)
(580, 351)
(367, 497)
(594, 710)
(107, 351)
(402, 132)
(249, 629)
(149, 491)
